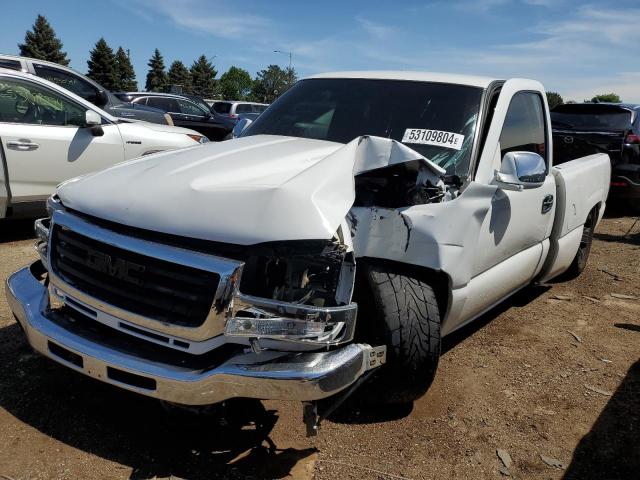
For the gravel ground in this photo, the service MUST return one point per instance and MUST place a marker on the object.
(551, 378)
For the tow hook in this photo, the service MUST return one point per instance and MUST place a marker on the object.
(312, 415)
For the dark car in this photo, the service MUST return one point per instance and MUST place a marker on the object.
(84, 87)
(185, 112)
(580, 129)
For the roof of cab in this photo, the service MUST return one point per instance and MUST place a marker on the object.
(474, 81)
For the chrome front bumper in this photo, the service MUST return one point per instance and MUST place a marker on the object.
(264, 375)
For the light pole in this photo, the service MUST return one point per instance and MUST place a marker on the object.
(289, 72)
(286, 53)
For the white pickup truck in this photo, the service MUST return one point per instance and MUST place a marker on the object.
(361, 218)
(48, 134)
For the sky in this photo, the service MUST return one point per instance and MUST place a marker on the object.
(575, 48)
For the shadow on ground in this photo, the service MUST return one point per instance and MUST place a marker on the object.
(632, 238)
(13, 230)
(358, 411)
(611, 449)
(518, 299)
(137, 431)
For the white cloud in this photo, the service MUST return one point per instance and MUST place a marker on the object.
(624, 84)
(481, 5)
(543, 3)
(194, 15)
(374, 29)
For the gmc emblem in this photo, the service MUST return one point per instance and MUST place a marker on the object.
(115, 267)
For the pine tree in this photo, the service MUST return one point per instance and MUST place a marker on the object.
(42, 43)
(180, 75)
(102, 65)
(235, 84)
(156, 77)
(203, 76)
(125, 72)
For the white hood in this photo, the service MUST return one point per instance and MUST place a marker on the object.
(244, 191)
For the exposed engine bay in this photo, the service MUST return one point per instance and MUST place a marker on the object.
(305, 273)
(402, 185)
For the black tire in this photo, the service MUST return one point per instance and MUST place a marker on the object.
(582, 255)
(401, 312)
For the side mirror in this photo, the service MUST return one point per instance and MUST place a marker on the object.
(101, 98)
(520, 170)
(92, 118)
(241, 126)
(93, 121)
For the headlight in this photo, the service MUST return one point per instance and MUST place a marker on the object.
(53, 204)
(306, 273)
(198, 138)
(296, 291)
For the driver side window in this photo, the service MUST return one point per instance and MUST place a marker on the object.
(524, 126)
(25, 102)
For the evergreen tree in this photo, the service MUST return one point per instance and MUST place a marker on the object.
(271, 83)
(102, 65)
(203, 76)
(180, 75)
(42, 43)
(235, 84)
(126, 73)
(156, 77)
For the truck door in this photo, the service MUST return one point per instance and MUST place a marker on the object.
(513, 238)
(45, 141)
(519, 220)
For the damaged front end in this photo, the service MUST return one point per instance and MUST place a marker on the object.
(296, 292)
(260, 293)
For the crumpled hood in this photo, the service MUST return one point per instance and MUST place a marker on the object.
(245, 191)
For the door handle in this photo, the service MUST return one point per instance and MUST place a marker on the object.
(22, 145)
(547, 203)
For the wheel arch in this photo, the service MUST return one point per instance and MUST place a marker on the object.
(439, 280)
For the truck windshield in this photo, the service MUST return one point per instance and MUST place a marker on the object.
(437, 120)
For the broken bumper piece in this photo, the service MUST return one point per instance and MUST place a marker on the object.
(267, 375)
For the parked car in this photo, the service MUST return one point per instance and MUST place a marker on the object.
(581, 129)
(355, 223)
(48, 134)
(236, 110)
(184, 111)
(84, 87)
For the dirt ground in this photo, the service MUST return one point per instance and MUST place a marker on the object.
(552, 378)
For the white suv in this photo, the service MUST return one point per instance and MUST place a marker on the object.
(48, 135)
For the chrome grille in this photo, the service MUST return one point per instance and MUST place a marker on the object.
(151, 287)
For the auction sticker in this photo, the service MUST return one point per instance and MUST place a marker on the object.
(437, 138)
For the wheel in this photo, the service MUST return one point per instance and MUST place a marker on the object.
(401, 312)
(582, 255)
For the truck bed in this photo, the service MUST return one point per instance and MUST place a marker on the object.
(581, 184)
